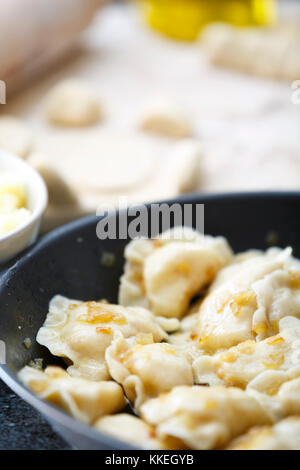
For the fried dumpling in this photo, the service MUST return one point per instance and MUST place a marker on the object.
(146, 369)
(289, 396)
(164, 274)
(262, 365)
(208, 417)
(284, 435)
(81, 332)
(84, 399)
(134, 431)
(248, 299)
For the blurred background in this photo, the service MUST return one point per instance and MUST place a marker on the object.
(224, 74)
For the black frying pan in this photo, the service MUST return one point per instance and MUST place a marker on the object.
(68, 262)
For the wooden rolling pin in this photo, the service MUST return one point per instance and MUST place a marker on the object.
(35, 33)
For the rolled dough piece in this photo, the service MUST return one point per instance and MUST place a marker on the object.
(96, 162)
(267, 53)
(166, 118)
(187, 156)
(14, 136)
(72, 103)
(104, 169)
(271, 56)
(291, 63)
(60, 193)
(216, 40)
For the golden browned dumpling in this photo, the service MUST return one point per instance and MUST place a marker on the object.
(165, 274)
(146, 370)
(262, 365)
(205, 347)
(84, 399)
(284, 435)
(134, 431)
(289, 397)
(208, 417)
(81, 332)
(249, 299)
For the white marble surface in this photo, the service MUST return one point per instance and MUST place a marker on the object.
(249, 127)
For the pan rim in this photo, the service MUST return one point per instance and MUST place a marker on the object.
(53, 413)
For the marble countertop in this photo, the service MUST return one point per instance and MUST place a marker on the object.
(23, 428)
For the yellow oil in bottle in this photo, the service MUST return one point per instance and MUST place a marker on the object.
(184, 19)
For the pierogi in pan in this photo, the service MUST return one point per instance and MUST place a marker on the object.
(284, 435)
(84, 399)
(166, 273)
(204, 346)
(146, 369)
(249, 299)
(208, 418)
(134, 430)
(262, 365)
(81, 332)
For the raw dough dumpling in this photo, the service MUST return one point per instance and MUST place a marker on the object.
(291, 62)
(284, 435)
(14, 136)
(146, 370)
(133, 430)
(208, 417)
(165, 118)
(84, 399)
(249, 299)
(166, 273)
(273, 53)
(216, 40)
(262, 365)
(81, 332)
(72, 103)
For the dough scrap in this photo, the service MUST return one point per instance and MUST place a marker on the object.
(15, 137)
(165, 118)
(271, 54)
(72, 103)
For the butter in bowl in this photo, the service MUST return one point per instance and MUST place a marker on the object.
(23, 199)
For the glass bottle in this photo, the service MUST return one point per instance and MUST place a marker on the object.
(184, 19)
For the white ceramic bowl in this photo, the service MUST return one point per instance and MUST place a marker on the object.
(37, 197)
